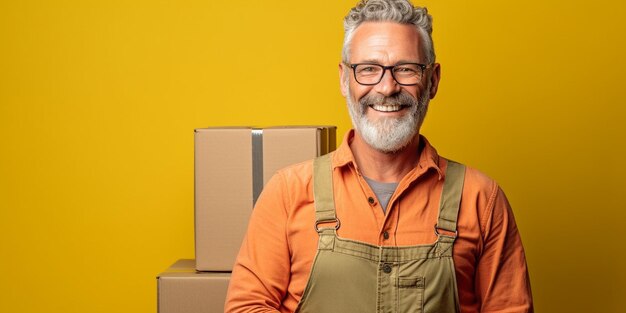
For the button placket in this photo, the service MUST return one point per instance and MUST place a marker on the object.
(371, 200)
(386, 235)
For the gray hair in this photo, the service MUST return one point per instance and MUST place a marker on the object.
(399, 11)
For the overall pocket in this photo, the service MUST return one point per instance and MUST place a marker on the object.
(410, 294)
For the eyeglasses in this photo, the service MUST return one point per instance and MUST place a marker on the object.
(405, 74)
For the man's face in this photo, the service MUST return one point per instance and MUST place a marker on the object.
(387, 115)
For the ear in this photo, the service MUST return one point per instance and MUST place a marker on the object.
(434, 79)
(343, 79)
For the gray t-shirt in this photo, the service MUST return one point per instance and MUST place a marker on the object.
(383, 191)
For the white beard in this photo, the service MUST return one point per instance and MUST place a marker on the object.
(389, 134)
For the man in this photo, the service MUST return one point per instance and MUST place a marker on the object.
(384, 224)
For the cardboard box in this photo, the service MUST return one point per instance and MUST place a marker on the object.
(231, 167)
(180, 289)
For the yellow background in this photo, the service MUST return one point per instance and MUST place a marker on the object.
(99, 99)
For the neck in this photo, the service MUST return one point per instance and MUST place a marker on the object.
(381, 166)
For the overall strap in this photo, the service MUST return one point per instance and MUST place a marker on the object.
(451, 197)
(323, 192)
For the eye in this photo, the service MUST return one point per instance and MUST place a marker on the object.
(406, 69)
(367, 69)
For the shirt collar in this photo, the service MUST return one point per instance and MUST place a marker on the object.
(428, 158)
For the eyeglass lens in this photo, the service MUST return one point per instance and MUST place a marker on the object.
(406, 74)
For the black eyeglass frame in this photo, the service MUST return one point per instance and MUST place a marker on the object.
(385, 68)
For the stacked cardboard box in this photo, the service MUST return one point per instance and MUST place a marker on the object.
(231, 166)
(184, 290)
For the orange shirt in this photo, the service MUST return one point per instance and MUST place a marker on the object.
(273, 265)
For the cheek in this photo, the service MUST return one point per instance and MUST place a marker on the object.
(358, 91)
(414, 92)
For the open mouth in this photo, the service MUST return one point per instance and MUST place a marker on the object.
(387, 108)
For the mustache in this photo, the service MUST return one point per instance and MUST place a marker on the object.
(402, 98)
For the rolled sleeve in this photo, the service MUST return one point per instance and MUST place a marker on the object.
(502, 282)
(261, 271)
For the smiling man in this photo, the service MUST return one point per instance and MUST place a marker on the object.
(384, 224)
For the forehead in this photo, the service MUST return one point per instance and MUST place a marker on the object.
(386, 43)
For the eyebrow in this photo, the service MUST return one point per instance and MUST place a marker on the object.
(374, 61)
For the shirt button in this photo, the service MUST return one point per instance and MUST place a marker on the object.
(371, 200)
(387, 268)
(386, 235)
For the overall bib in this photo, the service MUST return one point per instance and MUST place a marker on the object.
(348, 276)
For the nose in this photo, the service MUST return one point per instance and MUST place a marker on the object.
(387, 85)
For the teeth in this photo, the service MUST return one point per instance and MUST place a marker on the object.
(386, 108)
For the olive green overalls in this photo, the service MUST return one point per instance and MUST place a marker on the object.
(348, 276)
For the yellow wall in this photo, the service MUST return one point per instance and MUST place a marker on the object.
(99, 99)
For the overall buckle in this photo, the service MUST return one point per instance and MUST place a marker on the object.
(336, 220)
